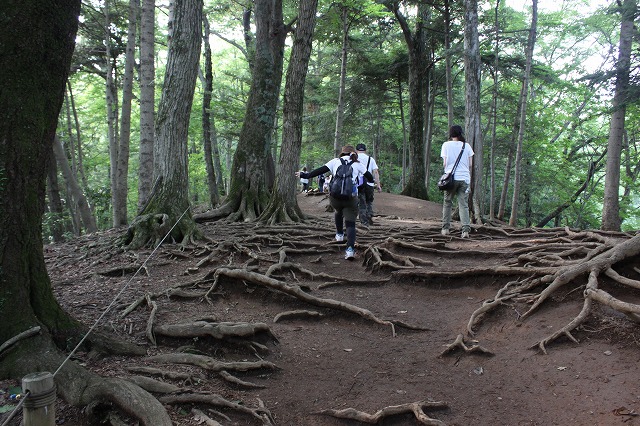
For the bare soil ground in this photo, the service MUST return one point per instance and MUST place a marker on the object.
(329, 359)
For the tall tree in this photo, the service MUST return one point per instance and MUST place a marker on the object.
(472, 68)
(209, 138)
(517, 175)
(147, 101)
(283, 205)
(337, 139)
(41, 36)
(169, 201)
(251, 182)
(415, 42)
(611, 220)
(122, 168)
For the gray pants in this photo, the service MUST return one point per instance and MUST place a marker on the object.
(459, 190)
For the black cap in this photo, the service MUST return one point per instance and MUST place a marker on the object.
(361, 147)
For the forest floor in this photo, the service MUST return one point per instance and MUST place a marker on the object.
(330, 359)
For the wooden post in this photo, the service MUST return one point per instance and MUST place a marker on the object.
(40, 404)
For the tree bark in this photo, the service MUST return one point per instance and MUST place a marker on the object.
(147, 101)
(415, 186)
(208, 125)
(611, 220)
(78, 204)
(472, 66)
(337, 140)
(283, 206)
(170, 193)
(122, 167)
(249, 191)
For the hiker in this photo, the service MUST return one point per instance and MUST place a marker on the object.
(321, 182)
(366, 189)
(304, 181)
(343, 193)
(456, 147)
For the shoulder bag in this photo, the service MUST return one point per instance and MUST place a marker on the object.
(445, 183)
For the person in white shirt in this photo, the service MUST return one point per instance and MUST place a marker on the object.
(304, 182)
(461, 177)
(366, 189)
(346, 209)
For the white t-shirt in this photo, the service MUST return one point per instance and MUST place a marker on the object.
(357, 169)
(449, 153)
(364, 158)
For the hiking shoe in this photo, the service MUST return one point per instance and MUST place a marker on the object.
(465, 234)
(350, 254)
(445, 232)
(339, 237)
(370, 220)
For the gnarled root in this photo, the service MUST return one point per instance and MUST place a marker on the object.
(417, 408)
(460, 344)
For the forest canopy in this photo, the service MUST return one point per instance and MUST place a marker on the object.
(565, 134)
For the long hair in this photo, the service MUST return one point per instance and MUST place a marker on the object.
(456, 132)
(351, 152)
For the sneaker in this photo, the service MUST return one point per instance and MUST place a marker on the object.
(350, 254)
(465, 234)
(339, 237)
(445, 232)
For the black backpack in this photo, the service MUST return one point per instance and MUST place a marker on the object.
(342, 186)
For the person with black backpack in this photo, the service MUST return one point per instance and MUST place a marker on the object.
(343, 193)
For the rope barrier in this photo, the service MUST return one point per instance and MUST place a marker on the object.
(43, 399)
(118, 295)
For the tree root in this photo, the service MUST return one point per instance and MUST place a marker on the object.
(416, 408)
(24, 335)
(211, 364)
(260, 413)
(296, 292)
(459, 344)
(296, 313)
(221, 330)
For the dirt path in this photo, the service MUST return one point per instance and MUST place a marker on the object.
(338, 360)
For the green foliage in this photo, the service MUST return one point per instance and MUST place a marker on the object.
(567, 113)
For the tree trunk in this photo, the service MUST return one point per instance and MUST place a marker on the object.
(31, 94)
(448, 53)
(494, 116)
(249, 191)
(111, 94)
(611, 220)
(283, 206)
(170, 193)
(415, 186)
(122, 170)
(337, 140)
(56, 217)
(472, 67)
(78, 204)
(513, 219)
(147, 101)
(208, 127)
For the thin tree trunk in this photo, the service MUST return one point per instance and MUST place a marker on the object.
(76, 121)
(122, 177)
(494, 116)
(404, 133)
(448, 73)
(208, 134)
(78, 205)
(611, 219)
(513, 219)
(112, 114)
(337, 140)
(56, 219)
(147, 101)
